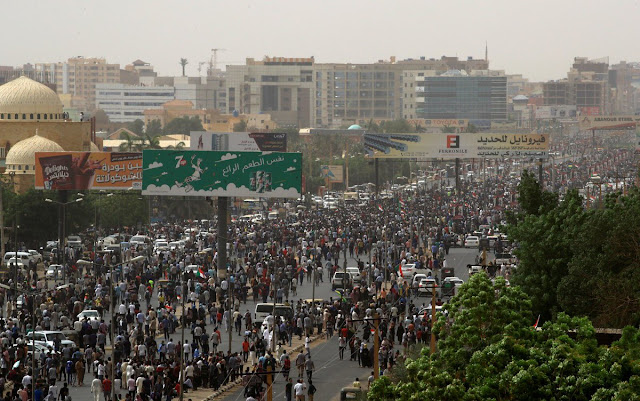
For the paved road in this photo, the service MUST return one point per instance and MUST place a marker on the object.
(332, 373)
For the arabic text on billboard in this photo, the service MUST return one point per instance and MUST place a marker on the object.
(608, 122)
(452, 146)
(222, 173)
(239, 141)
(88, 170)
(332, 172)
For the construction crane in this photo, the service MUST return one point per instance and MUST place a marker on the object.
(213, 64)
(200, 64)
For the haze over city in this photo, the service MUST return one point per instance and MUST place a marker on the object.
(536, 39)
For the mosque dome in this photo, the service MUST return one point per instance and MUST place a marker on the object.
(355, 126)
(21, 158)
(24, 99)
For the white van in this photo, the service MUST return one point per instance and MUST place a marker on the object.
(23, 256)
(263, 310)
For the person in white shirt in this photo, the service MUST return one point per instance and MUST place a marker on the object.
(299, 390)
(96, 388)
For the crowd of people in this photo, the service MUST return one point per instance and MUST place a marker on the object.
(133, 350)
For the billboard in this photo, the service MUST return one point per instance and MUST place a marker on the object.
(80, 171)
(221, 173)
(453, 146)
(441, 123)
(239, 141)
(559, 111)
(332, 172)
(608, 122)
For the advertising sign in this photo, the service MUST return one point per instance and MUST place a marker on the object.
(551, 112)
(222, 173)
(333, 173)
(453, 146)
(80, 171)
(239, 141)
(608, 122)
(441, 123)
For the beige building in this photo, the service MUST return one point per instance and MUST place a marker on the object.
(300, 92)
(31, 120)
(78, 77)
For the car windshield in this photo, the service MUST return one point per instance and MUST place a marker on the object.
(53, 336)
(90, 313)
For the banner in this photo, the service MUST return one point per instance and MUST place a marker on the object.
(608, 122)
(453, 146)
(212, 173)
(333, 173)
(80, 171)
(239, 141)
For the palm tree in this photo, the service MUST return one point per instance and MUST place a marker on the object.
(183, 63)
(178, 146)
(131, 144)
(151, 141)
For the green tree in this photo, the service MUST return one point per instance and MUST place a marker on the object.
(154, 128)
(183, 125)
(183, 64)
(131, 143)
(487, 350)
(240, 126)
(545, 248)
(137, 127)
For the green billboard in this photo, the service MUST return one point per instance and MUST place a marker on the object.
(221, 173)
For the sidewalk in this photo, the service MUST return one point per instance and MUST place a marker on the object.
(208, 394)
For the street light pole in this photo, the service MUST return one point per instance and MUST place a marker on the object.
(61, 240)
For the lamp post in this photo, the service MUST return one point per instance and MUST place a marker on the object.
(112, 309)
(61, 240)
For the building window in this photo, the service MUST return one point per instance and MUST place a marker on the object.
(8, 116)
(45, 116)
(31, 116)
(16, 116)
(24, 116)
(2, 116)
(38, 116)
(50, 116)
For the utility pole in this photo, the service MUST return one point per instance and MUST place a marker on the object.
(230, 317)
(377, 172)
(184, 321)
(433, 317)
(269, 384)
(376, 346)
(274, 336)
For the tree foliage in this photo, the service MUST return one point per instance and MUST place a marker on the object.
(183, 125)
(488, 350)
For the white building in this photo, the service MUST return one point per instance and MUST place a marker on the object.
(125, 103)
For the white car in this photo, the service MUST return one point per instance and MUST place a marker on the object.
(89, 314)
(354, 272)
(54, 272)
(408, 270)
(47, 338)
(472, 241)
(35, 256)
(425, 288)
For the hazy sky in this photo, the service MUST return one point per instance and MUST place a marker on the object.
(538, 39)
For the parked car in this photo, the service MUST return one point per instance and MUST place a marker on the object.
(54, 272)
(89, 314)
(74, 241)
(340, 280)
(425, 288)
(35, 256)
(354, 272)
(48, 337)
(450, 286)
(472, 241)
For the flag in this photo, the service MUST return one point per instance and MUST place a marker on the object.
(402, 203)
(535, 326)
(399, 269)
(200, 272)
(380, 208)
(342, 298)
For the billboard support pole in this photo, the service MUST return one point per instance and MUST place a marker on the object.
(540, 172)
(377, 172)
(223, 203)
(457, 176)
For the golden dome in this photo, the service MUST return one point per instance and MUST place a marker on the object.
(21, 158)
(25, 99)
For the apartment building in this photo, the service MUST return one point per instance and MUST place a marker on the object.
(125, 103)
(456, 94)
(279, 86)
(300, 92)
(79, 76)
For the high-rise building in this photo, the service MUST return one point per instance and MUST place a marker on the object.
(455, 94)
(78, 77)
(279, 86)
(301, 92)
(125, 103)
